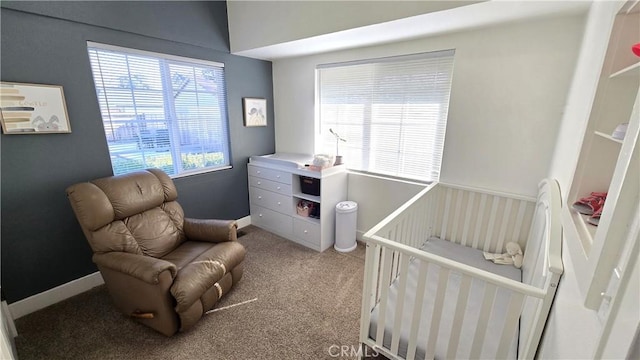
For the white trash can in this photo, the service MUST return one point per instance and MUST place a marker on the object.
(346, 217)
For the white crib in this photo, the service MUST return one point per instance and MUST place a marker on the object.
(435, 299)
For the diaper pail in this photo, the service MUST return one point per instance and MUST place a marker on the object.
(346, 217)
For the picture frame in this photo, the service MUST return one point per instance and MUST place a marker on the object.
(33, 109)
(255, 112)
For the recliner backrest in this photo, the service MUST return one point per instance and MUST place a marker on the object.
(135, 213)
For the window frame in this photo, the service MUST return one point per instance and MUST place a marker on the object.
(173, 148)
(320, 142)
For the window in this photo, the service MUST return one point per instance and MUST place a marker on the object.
(161, 111)
(391, 111)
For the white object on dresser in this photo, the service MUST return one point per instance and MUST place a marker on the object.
(274, 193)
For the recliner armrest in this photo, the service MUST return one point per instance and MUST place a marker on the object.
(145, 268)
(210, 230)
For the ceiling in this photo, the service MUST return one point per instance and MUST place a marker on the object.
(436, 23)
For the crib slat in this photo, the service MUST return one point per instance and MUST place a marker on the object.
(436, 315)
(461, 305)
(511, 321)
(376, 278)
(395, 253)
(384, 294)
(417, 311)
(406, 227)
(411, 231)
(381, 280)
(427, 218)
(367, 291)
(420, 225)
(481, 210)
(402, 290)
(396, 266)
(437, 213)
(467, 218)
(503, 228)
(456, 217)
(483, 320)
(434, 205)
(492, 222)
(402, 229)
(423, 223)
(423, 219)
(445, 215)
(519, 219)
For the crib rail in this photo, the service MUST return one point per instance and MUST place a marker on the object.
(412, 223)
(482, 219)
(388, 261)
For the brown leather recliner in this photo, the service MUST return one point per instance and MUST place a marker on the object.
(163, 269)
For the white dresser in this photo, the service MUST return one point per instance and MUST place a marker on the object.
(275, 191)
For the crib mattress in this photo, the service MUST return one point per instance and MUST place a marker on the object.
(462, 254)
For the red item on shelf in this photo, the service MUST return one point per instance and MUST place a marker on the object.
(636, 49)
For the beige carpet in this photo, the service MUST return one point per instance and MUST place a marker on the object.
(307, 307)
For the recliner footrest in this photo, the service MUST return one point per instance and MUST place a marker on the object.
(193, 280)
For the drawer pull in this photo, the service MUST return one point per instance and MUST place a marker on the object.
(305, 231)
(258, 172)
(259, 182)
(276, 188)
(259, 215)
(278, 176)
(279, 203)
(259, 197)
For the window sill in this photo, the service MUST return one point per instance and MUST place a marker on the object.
(390, 178)
(199, 172)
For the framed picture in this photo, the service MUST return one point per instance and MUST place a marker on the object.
(33, 109)
(255, 111)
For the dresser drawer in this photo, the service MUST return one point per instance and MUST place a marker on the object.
(272, 220)
(270, 200)
(270, 174)
(274, 186)
(306, 231)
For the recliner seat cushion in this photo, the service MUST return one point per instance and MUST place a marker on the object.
(186, 252)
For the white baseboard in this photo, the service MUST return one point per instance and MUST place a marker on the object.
(7, 321)
(245, 221)
(46, 298)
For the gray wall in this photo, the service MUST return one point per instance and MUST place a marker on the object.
(45, 42)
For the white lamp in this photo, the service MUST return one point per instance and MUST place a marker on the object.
(338, 139)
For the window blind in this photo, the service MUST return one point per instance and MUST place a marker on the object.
(392, 112)
(161, 111)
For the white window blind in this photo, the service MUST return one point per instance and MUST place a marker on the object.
(161, 111)
(391, 111)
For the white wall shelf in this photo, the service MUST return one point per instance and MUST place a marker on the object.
(608, 137)
(586, 231)
(606, 164)
(307, 197)
(631, 70)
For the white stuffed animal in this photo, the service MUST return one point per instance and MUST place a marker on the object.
(515, 251)
(513, 256)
